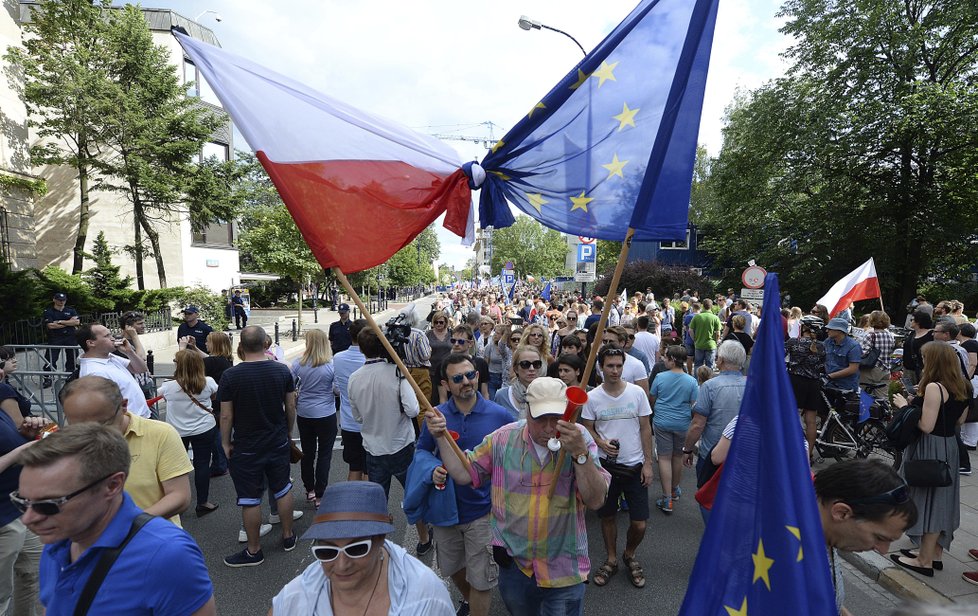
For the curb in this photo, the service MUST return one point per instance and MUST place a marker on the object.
(901, 583)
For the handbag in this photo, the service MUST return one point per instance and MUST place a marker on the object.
(928, 473)
(870, 358)
(295, 454)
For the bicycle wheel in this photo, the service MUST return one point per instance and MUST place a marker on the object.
(837, 443)
(873, 444)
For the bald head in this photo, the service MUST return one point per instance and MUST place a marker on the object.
(93, 399)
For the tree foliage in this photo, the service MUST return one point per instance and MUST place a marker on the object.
(63, 74)
(664, 280)
(103, 277)
(866, 148)
(533, 248)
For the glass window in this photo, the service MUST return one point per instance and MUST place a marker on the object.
(190, 78)
(217, 150)
(681, 245)
(217, 234)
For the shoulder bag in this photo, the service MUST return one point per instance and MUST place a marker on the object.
(104, 564)
(929, 473)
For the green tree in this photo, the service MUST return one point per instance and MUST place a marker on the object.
(103, 277)
(533, 248)
(62, 72)
(155, 134)
(866, 148)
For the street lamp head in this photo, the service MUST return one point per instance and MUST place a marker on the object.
(527, 24)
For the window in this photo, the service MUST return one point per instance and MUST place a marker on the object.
(190, 78)
(4, 237)
(217, 235)
(217, 150)
(681, 245)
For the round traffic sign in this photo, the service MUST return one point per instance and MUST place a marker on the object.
(753, 277)
(585, 240)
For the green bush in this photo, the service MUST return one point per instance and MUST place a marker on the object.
(211, 305)
(18, 298)
(53, 279)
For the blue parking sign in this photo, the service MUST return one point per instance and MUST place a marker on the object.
(586, 253)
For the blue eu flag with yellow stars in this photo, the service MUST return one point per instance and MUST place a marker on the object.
(612, 145)
(763, 552)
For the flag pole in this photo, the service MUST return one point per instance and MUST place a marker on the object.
(593, 355)
(422, 399)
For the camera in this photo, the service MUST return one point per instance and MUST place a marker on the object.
(398, 334)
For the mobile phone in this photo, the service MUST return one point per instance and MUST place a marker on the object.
(516, 320)
(908, 386)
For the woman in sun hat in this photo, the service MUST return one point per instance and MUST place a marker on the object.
(357, 570)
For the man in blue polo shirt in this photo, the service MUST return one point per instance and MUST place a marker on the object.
(71, 495)
(842, 355)
(462, 552)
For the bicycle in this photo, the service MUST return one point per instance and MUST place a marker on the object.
(846, 432)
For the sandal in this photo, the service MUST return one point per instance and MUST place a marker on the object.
(635, 572)
(604, 573)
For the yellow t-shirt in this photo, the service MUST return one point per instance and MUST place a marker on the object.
(157, 455)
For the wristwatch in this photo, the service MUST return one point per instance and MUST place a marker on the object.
(582, 459)
(687, 451)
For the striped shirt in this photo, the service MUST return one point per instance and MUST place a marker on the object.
(546, 537)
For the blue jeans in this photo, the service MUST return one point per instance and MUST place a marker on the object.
(495, 383)
(523, 597)
(380, 469)
(704, 356)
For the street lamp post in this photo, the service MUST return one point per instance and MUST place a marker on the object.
(528, 24)
(217, 16)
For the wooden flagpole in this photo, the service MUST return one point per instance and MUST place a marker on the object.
(422, 399)
(596, 344)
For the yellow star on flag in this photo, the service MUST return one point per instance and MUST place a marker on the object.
(605, 72)
(537, 201)
(615, 167)
(498, 145)
(794, 530)
(580, 202)
(502, 176)
(741, 612)
(581, 78)
(762, 564)
(626, 117)
(535, 107)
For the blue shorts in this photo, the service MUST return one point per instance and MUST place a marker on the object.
(250, 470)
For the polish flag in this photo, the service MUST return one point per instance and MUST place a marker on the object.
(359, 187)
(861, 283)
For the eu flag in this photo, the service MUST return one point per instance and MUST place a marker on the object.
(612, 145)
(545, 294)
(763, 551)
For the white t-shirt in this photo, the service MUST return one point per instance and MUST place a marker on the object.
(648, 343)
(186, 417)
(619, 417)
(414, 589)
(116, 369)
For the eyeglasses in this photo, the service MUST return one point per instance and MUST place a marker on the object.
(459, 341)
(439, 322)
(537, 334)
(50, 506)
(329, 553)
(468, 376)
(526, 364)
(897, 496)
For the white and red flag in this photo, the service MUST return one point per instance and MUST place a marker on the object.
(359, 187)
(861, 283)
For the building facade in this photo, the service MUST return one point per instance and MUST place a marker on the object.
(208, 258)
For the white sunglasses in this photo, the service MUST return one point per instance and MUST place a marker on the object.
(329, 553)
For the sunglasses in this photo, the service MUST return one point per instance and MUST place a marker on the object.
(526, 364)
(469, 376)
(897, 496)
(439, 322)
(50, 506)
(329, 553)
(459, 341)
(514, 339)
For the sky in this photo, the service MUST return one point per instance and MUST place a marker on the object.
(450, 68)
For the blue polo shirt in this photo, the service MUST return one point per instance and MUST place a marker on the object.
(161, 571)
(838, 357)
(484, 418)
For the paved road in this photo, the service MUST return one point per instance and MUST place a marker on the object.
(667, 553)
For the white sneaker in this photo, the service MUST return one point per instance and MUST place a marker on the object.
(275, 519)
(262, 531)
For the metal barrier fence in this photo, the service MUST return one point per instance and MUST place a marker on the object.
(32, 331)
(42, 372)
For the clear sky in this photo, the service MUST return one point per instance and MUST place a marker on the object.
(449, 66)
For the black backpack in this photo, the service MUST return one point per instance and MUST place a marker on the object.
(902, 429)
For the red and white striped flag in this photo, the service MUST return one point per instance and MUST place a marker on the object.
(861, 283)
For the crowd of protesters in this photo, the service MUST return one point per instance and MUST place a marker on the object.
(664, 396)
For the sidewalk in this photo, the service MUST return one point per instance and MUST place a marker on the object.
(946, 586)
(164, 356)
